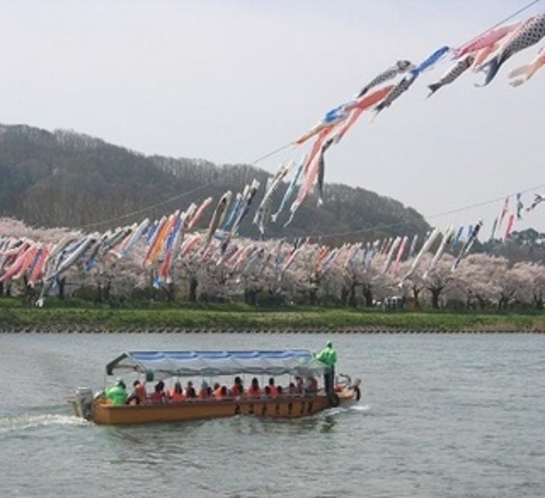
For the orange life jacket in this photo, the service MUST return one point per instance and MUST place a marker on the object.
(141, 393)
(254, 391)
(157, 397)
(174, 396)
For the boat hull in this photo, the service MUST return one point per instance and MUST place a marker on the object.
(279, 407)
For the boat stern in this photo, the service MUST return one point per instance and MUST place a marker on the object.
(82, 404)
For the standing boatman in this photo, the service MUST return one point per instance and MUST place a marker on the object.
(328, 356)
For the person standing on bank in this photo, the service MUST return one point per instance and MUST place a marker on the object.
(328, 356)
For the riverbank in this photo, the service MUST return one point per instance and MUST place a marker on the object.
(239, 318)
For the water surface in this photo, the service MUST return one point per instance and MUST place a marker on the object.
(443, 415)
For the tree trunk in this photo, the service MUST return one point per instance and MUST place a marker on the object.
(150, 286)
(344, 296)
(29, 293)
(435, 293)
(107, 290)
(61, 283)
(171, 294)
(368, 295)
(416, 293)
(250, 297)
(193, 284)
(352, 302)
(98, 296)
(503, 303)
(538, 300)
(313, 297)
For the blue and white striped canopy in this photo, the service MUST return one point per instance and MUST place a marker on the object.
(164, 364)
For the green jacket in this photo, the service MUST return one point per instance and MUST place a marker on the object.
(117, 394)
(327, 356)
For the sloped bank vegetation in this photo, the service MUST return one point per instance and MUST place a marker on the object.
(75, 316)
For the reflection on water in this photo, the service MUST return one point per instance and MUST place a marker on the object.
(328, 424)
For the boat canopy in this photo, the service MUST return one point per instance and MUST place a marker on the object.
(165, 364)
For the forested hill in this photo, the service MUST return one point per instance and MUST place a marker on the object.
(61, 178)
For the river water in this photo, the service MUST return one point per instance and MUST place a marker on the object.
(442, 415)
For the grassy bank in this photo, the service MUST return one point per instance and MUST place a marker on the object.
(82, 316)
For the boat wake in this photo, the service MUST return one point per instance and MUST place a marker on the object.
(359, 408)
(26, 421)
(348, 409)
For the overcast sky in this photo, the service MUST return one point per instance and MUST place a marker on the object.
(232, 80)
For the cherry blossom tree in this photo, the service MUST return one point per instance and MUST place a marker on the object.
(530, 280)
(274, 272)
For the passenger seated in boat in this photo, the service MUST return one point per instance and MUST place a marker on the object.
(117, 394)
(267, 391)
(138, 395)
(204, 391)
(190, 392)
(237, 389)
(299, 385)
(311, 385)
(279, 390)
(176, 394)
(292, 389)
(158, 395)
(219, 392)
(254, 390)
(272, 387)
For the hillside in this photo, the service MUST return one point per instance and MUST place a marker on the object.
(62, 178)
(526, 245)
